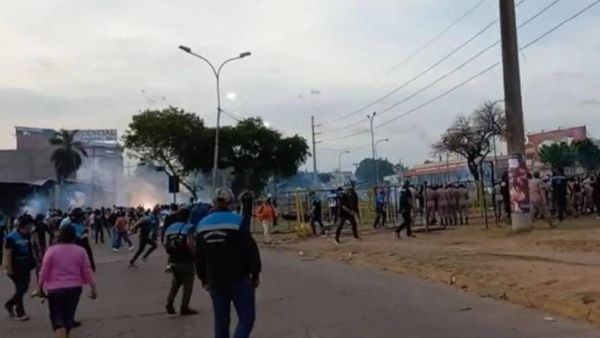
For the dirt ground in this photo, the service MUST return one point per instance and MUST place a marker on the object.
(557, 270)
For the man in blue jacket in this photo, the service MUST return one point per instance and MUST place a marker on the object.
(228, 264)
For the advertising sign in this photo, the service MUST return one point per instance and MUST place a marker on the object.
(96, 135)
(518, 184)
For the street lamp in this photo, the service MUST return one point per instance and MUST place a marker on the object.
(377, 155)
(340, 165)
(217, 73)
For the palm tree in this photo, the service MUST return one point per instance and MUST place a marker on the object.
(67, 157)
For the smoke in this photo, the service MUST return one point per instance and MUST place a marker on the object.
(35, 204)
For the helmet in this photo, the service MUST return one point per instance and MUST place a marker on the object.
(224, 195)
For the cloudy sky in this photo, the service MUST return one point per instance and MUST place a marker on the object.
(93, 64)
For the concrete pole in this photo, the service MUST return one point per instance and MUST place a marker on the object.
(515, 130)
(314, 151)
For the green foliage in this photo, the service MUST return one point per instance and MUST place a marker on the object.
(561, 155)
(588, 154)
(180, 142)
(67, 157)
(165, 138)
(365, 172)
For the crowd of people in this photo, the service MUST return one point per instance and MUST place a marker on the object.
(207, 241)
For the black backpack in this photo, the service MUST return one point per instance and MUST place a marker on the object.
(176, 244)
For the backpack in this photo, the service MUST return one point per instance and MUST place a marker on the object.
(176, 244)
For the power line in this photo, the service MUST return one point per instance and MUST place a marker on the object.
(435, 38)
(427, 70)
(468, 61)
(482, 72)
(534, 41)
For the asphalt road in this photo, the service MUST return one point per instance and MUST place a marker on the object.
(298, 297)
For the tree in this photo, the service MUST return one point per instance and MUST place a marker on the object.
(257, 153)
(365, 172)
(558, 155)
(470, 137)
(167, 138)
(325, 177)
(67, 157)
(587, 153)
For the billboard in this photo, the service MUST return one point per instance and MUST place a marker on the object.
(536, 140)
(96, 135)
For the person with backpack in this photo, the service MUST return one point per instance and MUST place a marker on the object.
(180, 246)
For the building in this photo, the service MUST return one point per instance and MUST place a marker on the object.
(29, 165)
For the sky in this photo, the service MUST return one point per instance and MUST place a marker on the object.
(93, 64)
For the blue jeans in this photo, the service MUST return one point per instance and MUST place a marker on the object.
(242, 296)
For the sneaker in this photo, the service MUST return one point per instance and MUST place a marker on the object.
(171, 310)
(133, 266)
(76, 323)
(188, 312)
(169, 269)
(22, 318)
(337, 241)
(115, 250)
(10, 309)
(131, 248)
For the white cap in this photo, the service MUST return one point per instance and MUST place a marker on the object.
(224, 194)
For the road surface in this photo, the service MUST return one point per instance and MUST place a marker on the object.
(299, 297)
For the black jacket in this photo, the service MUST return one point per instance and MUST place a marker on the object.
(224, 254)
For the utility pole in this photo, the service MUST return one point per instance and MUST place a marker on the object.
(371, 119)
(515, 130)
(314, 151)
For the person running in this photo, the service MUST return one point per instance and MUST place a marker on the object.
(347, 212)
(316, 214)
(180, 246)
(18, 263)
(228, 264)
(266, 215)
(380, 209)
(38, 236)
(65, 270)
(405, 205)
(148, 227)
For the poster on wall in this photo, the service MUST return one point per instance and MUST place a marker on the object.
(519, 184)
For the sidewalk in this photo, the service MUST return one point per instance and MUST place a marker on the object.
(557, 270)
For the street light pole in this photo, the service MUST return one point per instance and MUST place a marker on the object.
(217, 73)
(377, 155)
(340, 165)
(371, 119)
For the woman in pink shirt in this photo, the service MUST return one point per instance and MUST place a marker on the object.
(65, 269)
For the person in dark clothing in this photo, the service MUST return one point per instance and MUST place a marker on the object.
(3, 228)
(316, 213)
(180, 247)
(76, 220)
(228, 264)
(246, 208)
(380, 209)
(171, 218)
(405, 206)
(18, 263)
(148, 227)
(559, 193)
(596, 194)
(97, 226)
(347, 212)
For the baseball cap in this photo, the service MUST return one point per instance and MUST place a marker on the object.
(223, 194)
